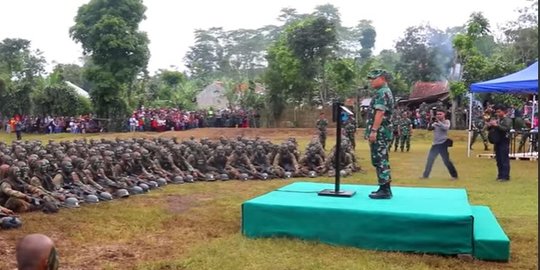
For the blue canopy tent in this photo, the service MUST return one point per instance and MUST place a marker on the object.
(522, 82)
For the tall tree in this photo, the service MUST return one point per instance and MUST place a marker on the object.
(426, 54)
(522, 34)
(20, 74)
(367, 35)
(109, 34)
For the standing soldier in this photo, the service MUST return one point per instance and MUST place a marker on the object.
(395, 132)
(478, 128)
(322, 123)
(379, 131)
(405, 132)
(350, 131)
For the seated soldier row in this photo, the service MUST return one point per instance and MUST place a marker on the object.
(46, 177)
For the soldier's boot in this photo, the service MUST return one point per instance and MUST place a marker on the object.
(383, 193)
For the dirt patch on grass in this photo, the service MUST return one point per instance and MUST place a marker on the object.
(177, 204)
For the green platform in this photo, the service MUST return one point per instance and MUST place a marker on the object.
(420, 220)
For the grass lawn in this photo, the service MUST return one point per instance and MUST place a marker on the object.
(197, 226)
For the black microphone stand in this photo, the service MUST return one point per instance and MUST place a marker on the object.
(336, 192)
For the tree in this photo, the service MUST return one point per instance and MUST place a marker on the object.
(20, 75)
(72, 73)
(108, 32)
(522, 35)
(426, 54)
(367, 35)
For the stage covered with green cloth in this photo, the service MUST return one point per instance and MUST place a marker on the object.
(419, 220)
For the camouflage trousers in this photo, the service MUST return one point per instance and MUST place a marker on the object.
(482, 135)
(394, 141)
(350, 136)
(404, 142)
(322, 138)
(379, 160)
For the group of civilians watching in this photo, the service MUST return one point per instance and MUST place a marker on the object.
(176, 119)
(50, 125)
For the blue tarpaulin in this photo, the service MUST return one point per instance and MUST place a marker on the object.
(522, 82)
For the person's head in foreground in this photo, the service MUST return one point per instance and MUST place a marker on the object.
(36, 252)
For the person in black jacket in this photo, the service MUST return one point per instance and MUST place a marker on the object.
(499, 135)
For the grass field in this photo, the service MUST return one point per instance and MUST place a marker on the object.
(197, 226)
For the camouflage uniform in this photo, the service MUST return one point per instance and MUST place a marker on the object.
(217, 162)
(14, 192)
(261, 162)
(285, 161)
(395, 133)
(350, 131)
(239, 163)
(321, 126)
(312, 161)
(383, 100)
(405, 126)
(478, 128)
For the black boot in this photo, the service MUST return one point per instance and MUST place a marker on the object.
(378, 190)
(384, 193)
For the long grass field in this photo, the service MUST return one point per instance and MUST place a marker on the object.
(197, 226)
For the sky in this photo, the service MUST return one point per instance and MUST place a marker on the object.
(170, 23)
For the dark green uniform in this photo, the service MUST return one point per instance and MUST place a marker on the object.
(321, 126)
(350, 130)
(384, 101)
(395, 133)
(405, 126)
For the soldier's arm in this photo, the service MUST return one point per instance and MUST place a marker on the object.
(90, 179)
(10, 192)
(58, 180)
(173, 166)
(249, 164)
(34, 190)
(303, 161)
(294, 161)
(34, 181)
(210, 161)
(76, 179)
(275, 163)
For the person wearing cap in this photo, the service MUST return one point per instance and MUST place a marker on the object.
(321, 124)
(379, 131)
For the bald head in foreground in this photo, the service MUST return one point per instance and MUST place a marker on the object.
(36, 252)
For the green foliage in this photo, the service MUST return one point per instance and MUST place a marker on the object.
(507, 100)
(170, 89)
(57, 99)
(341, 75)
(20, 71)
(457, 89)
(108, 32)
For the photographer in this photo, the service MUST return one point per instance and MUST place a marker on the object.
(498, 135)
(440, 126)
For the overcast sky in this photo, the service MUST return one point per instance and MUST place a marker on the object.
(170, 23)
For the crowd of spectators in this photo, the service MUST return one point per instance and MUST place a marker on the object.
(175, 119)
(50, 125)
(141, 120)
